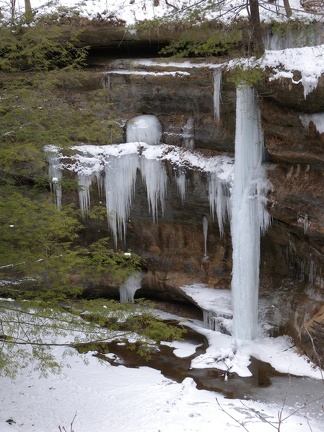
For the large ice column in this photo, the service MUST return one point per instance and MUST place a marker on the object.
(120, 179)
(155, 177)
(249, 214)
(144, 128)
(55, 172)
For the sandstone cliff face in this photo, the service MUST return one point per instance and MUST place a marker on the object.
(292, 254)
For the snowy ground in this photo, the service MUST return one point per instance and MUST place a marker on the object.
(116, 398)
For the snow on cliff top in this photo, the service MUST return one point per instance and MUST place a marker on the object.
(132, 11)
(308, 60)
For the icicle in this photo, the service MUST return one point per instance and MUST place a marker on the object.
(218, 200)
(188, 134)
(217, 93)
(55, 173)
(120, 181)
(84, 183)
(144, 128)
(155, 177)
(249, 215)
(317, 120)
(205, 233)
(180, 178)
(100, 184)
(209, 319)
(128, 289)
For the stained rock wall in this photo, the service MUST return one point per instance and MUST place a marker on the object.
(292, 264)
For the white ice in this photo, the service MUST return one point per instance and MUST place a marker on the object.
(249, 215)
(144, 128)
(317, 119)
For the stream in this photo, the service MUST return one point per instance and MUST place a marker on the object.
(265, 385)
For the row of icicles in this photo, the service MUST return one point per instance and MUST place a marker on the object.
(242, 201)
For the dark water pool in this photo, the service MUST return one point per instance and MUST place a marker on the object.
(265, 385)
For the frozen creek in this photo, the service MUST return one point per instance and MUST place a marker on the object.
(169, 392)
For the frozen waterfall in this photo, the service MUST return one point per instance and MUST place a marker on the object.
(249, 215)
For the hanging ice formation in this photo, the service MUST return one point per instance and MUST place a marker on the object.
(115, 169)
(55, 172)
(249, 215)
(188, 134)
(219, 200)
(84, 183)
(205, 233)
(144, 128)
(217, 93)
(180, 178)
(128, 289)
(316, 119)
(120, 178)
(155, 177)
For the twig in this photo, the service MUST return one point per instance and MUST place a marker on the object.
(233, 418)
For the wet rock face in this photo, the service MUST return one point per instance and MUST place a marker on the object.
(292, 251)
(182, 99)
(173, 247)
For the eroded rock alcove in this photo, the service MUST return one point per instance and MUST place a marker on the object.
(184, 98)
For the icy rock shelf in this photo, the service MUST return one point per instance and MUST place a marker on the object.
(114, 168)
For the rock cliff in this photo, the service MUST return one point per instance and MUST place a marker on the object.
(182, 97)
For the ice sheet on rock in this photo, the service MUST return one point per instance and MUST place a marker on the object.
(217, 92)
(188, 134)
(216, 300)
(144, 128)
(128, 289)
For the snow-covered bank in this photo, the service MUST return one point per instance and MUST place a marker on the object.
(105, 397)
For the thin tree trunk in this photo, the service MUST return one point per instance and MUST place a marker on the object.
(28, 11)
(12, 9)
(287, 8)
(257, 42)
